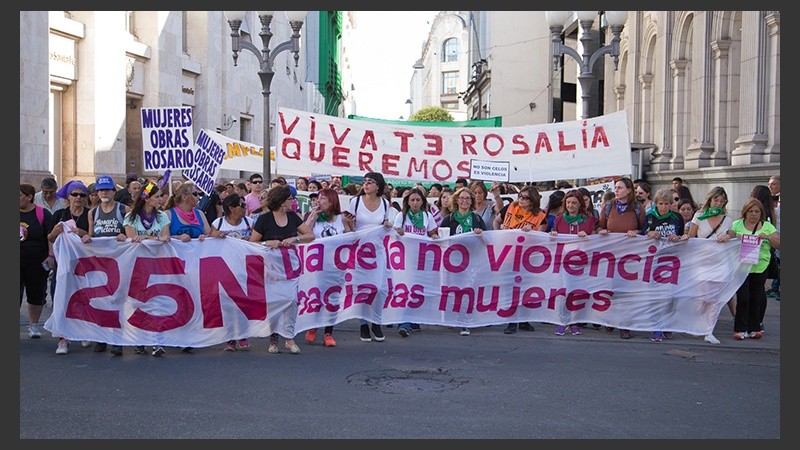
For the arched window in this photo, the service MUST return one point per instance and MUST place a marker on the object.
(450, 50)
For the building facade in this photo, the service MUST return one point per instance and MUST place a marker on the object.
(701, 89)
(85, 75)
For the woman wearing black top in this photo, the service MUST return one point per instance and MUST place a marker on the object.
(280, 227)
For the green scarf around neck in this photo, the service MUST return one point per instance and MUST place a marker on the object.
(464, 220)
(574, 220)
(711, 212)
(669, 213)
(417, 218)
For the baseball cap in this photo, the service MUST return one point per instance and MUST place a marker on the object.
(104, 182)
(293, 190)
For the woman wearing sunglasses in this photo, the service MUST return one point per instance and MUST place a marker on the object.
(76, 215)
(234, 224)
(186, 221)
(524, 214)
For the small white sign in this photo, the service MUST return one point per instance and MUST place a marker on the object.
(489, 170)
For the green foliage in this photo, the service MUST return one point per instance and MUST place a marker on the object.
(432, 114)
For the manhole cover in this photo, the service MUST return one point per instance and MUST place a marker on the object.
(403, 381)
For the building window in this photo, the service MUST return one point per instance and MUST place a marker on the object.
(184, 32)
(450, 50)
(450, 82)
(129, 23)
(450, 105)
(245, 129)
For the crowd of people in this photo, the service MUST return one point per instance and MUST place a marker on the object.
(161, 210)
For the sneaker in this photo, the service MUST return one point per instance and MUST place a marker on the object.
(100, 347)
(311, 335)
(365, 336)
(86, 344)
(116, 350)
(525, 326)
(740, 336)
(510, 329)
(187, 349)
(761, 327)
(415, 327)
(560, 330)
(625, 334)
(609, 329)
(575, 330)
(328, 340)
(230, 346)
(244, 343)
(377, 333)
(158, 350)
(139, 350)
(292, 347)
(667, 335)
(596, 326)
(33, 331)
(464, 332)
(63, 347)
(273, 348)
(756, 334)
(405, 332)
(711, 339)
(656, 336)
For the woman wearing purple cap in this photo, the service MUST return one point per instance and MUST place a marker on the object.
(72, 219)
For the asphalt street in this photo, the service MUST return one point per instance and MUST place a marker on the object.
(434, 384)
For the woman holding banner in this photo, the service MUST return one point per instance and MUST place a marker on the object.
(575, 220)
(326, 219)
(623, 214)
(368, 209)
(524, 214)
(280, 227)
(464, 219)
(146, 220)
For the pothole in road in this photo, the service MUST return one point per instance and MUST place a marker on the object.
(403, 381)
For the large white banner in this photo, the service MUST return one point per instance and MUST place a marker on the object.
(595, 147)
(204, 293)
(241, 155)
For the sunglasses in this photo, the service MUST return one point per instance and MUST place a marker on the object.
(257, 181)
(77, 194)
(523, 197)
(197, 194)
(676, 198)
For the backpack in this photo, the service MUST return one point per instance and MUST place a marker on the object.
(637, 210)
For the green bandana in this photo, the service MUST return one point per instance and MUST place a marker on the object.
(465, 221)
(574, 220)
(711, 212)
(417, 218)
(660, 217)
(322, 217)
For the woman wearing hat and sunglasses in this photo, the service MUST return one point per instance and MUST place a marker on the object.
(76, 218)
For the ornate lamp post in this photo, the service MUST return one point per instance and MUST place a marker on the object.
(266, 58)
(586, 61)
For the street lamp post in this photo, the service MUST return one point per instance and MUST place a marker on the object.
(266, 58)
(586, 61)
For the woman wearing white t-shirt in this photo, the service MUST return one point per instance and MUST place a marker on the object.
(233, 224)
(326, 219)
(368, 209)
(415, 218)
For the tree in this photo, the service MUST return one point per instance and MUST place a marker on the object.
(431, 114)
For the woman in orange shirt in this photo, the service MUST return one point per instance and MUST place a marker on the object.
(524, 214)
